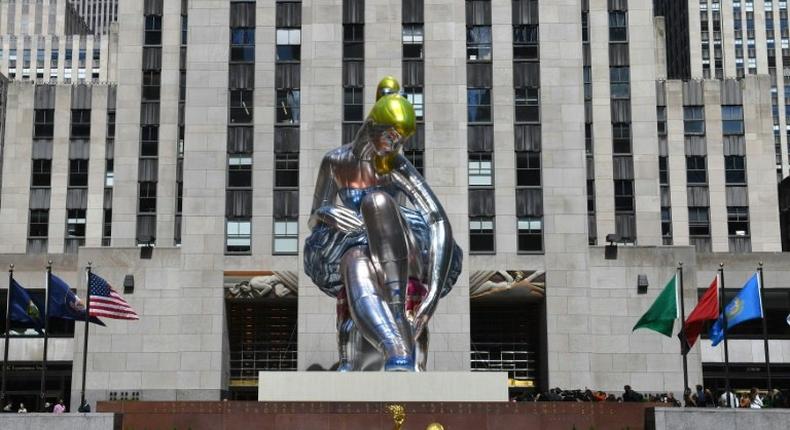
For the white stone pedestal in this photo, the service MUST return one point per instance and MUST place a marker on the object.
(382, 387)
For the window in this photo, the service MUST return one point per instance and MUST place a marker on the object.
(242, 45)
(591, 196)
(239, 171)
(353, 42)
(530, 234)
(732, 120)
(480, 170)
(289, 44)
(75, 223)
(618, 27)
(153, 30)
(241, 106)
(661, 116)
(352, 104)
(42, 173)
(663, 170)
(44, 125)
(412, 41)
(481, 235)
(527, 105)
(694, 119)
(39, 223)
(109, 174)
(147, 201)
(737, 220)
(151, 85)
(184, 29)
(239, 236)
(478, 107)
(107, 226)
(53, 58)
(288, 106)
(527, 169)
(624, 195)
(414, 96)
(478, 43)
(81, 123)
(621, 138)
(525, 42)
(149, 141)
(735, 169)
(695, 169)
(666, 222)
(619, 82)
(587, 74)
(699, 222)
(286, 170)
(416, 158)
(286, 236)
(78, 173)
(111, 124)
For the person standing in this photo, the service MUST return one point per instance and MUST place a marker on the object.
(59, 407)
(756, 400)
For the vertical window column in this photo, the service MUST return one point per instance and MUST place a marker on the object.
(109, 170)
(735, 179)
(480, 128)
(592, 230)
(663, 164)
(527, 145)
(241, 85)
(148, 163)
(182, 94)
(412, 36)
(286, 129)
(620, 101)
(696, 167)
(41, 172)
(353, 68)
(705, 38)
(79, 146)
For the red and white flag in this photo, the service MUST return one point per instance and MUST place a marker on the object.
(105, 302)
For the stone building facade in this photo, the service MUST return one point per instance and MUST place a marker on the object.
(547, 129)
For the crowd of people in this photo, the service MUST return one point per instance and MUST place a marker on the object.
(57, 408)
(700, 397)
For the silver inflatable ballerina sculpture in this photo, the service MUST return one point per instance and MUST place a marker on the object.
(386, 264)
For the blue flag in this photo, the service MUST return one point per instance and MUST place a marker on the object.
(744, 307)
(23, 309)
(64, 303)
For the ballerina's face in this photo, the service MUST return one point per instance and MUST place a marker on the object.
(385, 140)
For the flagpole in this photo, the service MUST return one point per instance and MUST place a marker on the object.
(7, 330)
(765, 326)
(726, 350)
(87, 324)
(683, 327)
(46, 335)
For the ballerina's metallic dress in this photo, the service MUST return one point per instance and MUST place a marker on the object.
(364, 244)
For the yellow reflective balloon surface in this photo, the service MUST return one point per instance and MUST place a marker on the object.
(387, 85)
(394, 111)
(434, 426)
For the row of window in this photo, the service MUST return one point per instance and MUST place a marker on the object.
(482, 235)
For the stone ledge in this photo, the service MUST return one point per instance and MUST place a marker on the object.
(382, 387)
(93, 421)
(717, 418)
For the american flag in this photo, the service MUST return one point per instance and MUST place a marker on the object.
(105, 302)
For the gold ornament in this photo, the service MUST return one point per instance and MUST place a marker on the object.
(434, 426)
(398, 415)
